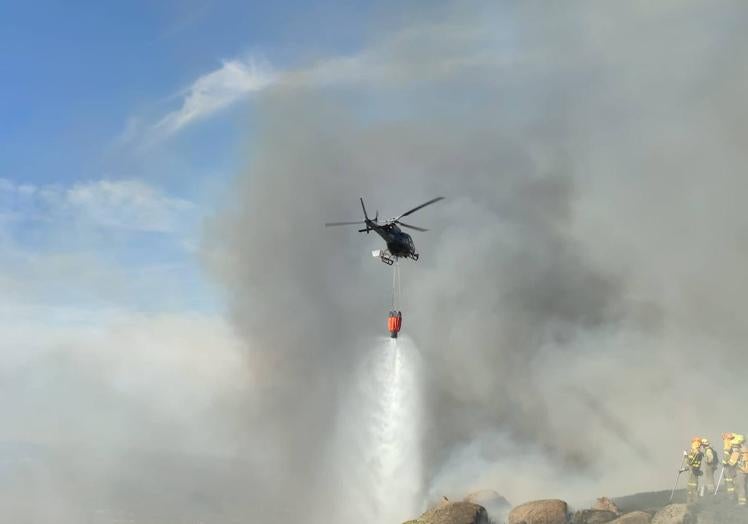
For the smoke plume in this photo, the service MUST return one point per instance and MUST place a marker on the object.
(578, 297)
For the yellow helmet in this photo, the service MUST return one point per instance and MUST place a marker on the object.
(705, 441)
(695, 443)
(737, 440)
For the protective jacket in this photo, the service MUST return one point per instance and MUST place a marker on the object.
(726, 454)
(734, 457)
(726, 447)
(742, 460)
(694, 459)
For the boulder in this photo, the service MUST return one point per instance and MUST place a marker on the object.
(539, 512)
(453, 513)
(593, 516)
(674, 514)
(496, 506)
(635, 517)
(605, 504)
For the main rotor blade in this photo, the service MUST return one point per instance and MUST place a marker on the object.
(411, 227)
(419, 207)
(328, 224)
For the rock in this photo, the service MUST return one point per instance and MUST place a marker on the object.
(593, 516)
(496, 506)
(674, 514)
(605, 504)
(453, 513)
(539, 512)
(635, 517)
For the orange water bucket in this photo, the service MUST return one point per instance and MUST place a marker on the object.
(394, 323)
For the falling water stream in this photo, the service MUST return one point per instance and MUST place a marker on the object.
(379, 435)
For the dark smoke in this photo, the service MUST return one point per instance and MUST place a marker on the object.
(594, 235)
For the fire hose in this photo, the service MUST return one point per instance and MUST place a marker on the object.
(680, 470)
(719, 480)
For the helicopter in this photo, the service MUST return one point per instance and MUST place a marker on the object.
(399, 243)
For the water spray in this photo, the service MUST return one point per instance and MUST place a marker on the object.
(378, 444)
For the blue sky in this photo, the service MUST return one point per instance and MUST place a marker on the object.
(81, 69)
(116, 141)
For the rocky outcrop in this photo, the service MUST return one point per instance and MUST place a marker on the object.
(635, 517)
(674, 514)
(453, 513)
(605, 504)
(539, 512)
(496, 506)
(593, 516)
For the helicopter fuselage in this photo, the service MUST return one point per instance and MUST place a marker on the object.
(399, 244)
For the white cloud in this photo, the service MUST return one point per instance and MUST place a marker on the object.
(99, 243)
(122, 204)
(383, 64)
(212, 92)
(127, 204)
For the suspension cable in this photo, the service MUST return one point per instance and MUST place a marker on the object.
(394, 278)
(396, 286)
(399, 291)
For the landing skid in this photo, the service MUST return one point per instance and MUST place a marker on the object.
(414, 256)
(384, 256)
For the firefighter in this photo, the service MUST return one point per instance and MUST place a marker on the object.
(693, 461)
(742, 470)
(729, 471)
(711, 462)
